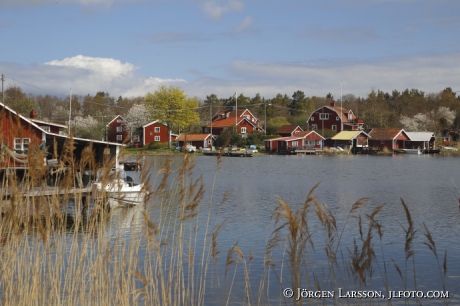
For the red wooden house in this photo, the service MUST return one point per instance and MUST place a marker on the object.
(289, 130)
(334, 118)
(117, 130)
(155, 131)
(244, 120)
(302, 140)
(21, 137)
(388, 138)
(197, 140)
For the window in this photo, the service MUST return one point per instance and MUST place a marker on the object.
(334, 127)
(247, 117)
(337, 118)
(312, 118)
(157, 138)
(21, 144)
(314, 127)
(150, 133)
(119, 137)
(243, 130)
(157, 129)
(119, 129)
(323, 116)
(46, 128)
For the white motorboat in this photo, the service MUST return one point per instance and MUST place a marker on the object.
(413, 151)
(120, 189)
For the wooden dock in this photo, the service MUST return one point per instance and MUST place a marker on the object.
(233, 153)
(306, 151)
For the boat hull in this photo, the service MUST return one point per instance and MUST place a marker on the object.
(413, 151)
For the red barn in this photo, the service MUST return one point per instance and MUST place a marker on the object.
(155, 131)
(388, 138)
(117, 130)
(333, 117)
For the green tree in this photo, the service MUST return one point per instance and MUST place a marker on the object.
(171, 106)
(274, 124)
(19, 101)
(298, 103)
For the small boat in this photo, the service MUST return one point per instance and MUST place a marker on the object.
(120, 189)
(413, 151)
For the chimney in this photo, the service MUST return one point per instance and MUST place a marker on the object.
(33, 114)
(332, 103)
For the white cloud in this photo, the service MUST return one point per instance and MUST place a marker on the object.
(215, 9)
(87, 75)
(246, 23)
(84, 75)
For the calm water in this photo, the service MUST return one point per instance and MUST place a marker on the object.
(426, 184)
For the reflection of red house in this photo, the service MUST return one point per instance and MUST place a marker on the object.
(155, 131)
(116, 129)
(388, 138)
(197, 140)
(244, 120)
(289, 130)
(331, 118)
(302, 140)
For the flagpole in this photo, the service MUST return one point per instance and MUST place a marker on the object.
(236, 110)
(341, 101)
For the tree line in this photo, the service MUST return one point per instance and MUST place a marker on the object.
(411, 109)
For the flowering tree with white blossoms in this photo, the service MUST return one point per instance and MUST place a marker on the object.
(433, 121)
(137, 116)
(87, 127)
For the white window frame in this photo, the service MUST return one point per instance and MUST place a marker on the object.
(312, 118)
(119, 129)
(314, 127)
(119, 137)
(22, 144)
(334, 127)
(243, 130)
(157, 138)
(324, 116)
(46, 128)
(337, 118)
(157, 129)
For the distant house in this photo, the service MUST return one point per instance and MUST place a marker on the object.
(333, 117)
(197, 140)
(46, 125)
(388, 138)
(302, 140)
(349, 139)
(117, 130)
(289, 130)
(244, 120)
(422, 140)
(155, 131)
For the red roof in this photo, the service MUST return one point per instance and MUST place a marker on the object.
(385, 133)
(192, 137)
(285, 129)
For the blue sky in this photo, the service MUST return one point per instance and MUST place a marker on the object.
(130, 47)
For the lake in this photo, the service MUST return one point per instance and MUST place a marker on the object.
(254, 187)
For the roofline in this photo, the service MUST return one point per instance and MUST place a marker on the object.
(86, 140)
(22, 117)
(116, 118)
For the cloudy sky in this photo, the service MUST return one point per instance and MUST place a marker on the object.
(129, 47)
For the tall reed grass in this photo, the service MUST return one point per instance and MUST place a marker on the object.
(68, 251)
